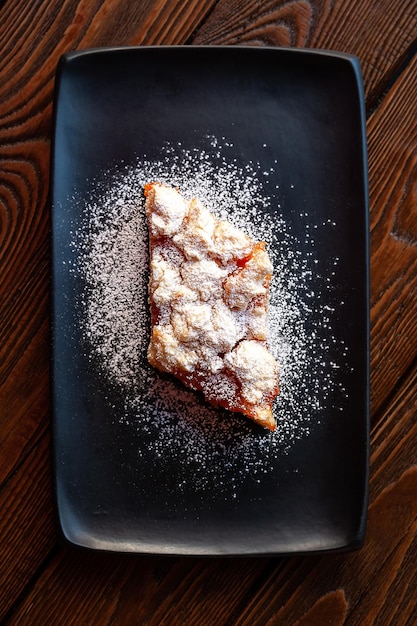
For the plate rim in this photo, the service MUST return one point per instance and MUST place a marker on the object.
(65, 61)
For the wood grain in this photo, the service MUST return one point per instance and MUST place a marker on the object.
(32, 38)
(25, 129)
(28, 528)
(260, 591)
(392, 130)
(379, 32)
(359, 588)
(392, 156)
(24, 258)
(178, 591)
(42, 580)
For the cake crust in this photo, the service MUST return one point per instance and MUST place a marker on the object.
(208, 293)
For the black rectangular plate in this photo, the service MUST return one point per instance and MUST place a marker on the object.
(116, 105)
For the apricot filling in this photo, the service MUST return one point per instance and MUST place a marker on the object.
(208, 292)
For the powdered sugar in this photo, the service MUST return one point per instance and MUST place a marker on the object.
(111, 255)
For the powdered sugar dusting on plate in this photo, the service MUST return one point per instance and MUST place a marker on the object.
(111, 256)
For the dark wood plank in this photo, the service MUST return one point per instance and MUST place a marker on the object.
(375, 584)
(25, 127)
(371, 586)
(392, 132)
(379, 32)
(94, 588)
(32, 38)
(27, 525)
(24, 175)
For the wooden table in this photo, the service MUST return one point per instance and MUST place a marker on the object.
(42, 579)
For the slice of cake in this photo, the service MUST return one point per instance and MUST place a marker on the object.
(208, 293)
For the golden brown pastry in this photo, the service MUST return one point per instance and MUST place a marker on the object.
(208, 292)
